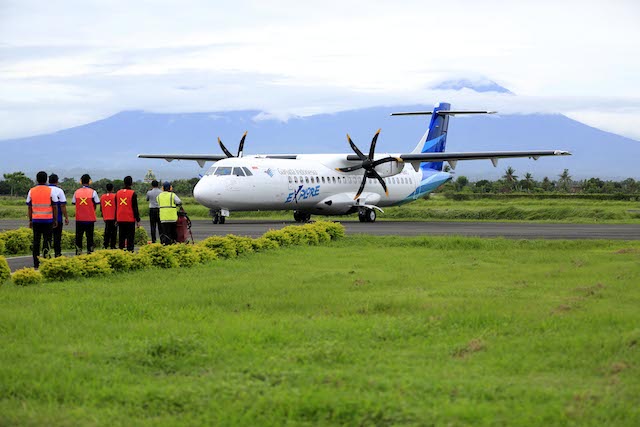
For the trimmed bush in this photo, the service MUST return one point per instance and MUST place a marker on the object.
(243, 244)
(321, 232)
(261, 244)
(139, 261)
(2, 245)
(68, 240)
(27, 276)
(118, 260)
(61, 268)
(141, 237)
(334, 229)
(5, 271)
(204, 253)
(18, 241)
(92, 265)
(184, 255)
(282, 238)
(158, 256)
(223, 247)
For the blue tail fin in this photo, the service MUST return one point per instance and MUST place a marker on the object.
(435, 140)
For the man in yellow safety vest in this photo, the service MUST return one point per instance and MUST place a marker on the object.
(168, 203)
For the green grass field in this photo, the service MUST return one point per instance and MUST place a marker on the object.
(437, 208)
(364, 331)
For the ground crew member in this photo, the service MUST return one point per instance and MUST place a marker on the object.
(127, 214)
(154, 211)
(108, 209)
(168, 202)
(57, 194)
(86, 199)
(43, 216)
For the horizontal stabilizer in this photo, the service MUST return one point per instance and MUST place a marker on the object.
(441, 112)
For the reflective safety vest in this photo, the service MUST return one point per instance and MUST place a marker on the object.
(85, 207)
(167, 205)
(41, 209)
(108, 206)
(124, 203)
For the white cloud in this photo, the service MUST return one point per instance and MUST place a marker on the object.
(84, 59)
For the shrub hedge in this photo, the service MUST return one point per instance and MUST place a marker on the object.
(5, 271)
(20, 241)
(26, 276)
(105, 262)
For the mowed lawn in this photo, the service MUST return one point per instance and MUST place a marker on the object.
(364, 331)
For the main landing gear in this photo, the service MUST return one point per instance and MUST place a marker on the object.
(217, 217)
(301, 216)
(366, 215)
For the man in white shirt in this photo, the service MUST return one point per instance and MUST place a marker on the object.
(58, 196)
(154, 210)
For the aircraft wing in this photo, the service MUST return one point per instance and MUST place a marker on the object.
(200, 158)
(452, 158)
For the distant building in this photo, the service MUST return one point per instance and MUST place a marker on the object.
(150, 176)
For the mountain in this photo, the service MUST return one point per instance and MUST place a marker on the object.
(108, 148)
(480, 86)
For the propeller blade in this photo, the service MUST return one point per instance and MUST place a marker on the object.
(241, 146)
(364, 181)
(372, 149)
(349, 169)
(355, 149)
(379, 178)
(381, 161)
(224, 149)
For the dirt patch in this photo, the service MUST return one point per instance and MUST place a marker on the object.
(473, 346)
(618, 367)
(628, 251)
(589, 291)
(562, 308)
(360, 282)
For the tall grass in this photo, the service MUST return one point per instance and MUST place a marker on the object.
(365, 331)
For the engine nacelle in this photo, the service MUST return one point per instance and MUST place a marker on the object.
(390, 168)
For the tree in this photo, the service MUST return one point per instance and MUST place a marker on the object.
(528, 183)
(546, 184)
(461, 182)
(19, 184)
(510, 178)
(565, 181)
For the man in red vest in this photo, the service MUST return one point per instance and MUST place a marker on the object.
(43, 216)
(127, 214)
(86, 199)
(108, 209)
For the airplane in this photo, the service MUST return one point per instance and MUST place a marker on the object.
(334, 184)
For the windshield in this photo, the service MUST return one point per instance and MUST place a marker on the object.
(223, 170)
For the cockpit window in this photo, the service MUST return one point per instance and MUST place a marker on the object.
(238, 172)
(247, 171)
(211, 170)
(223, 170)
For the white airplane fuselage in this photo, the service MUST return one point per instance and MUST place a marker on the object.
(308, 184)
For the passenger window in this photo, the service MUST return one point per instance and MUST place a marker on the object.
(223, 171)
(306, 179)
(290, 180)
(247, 171)
(323, 179)
(238, 172)
(295, 179)
(211, 170)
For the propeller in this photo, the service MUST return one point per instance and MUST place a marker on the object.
(240, 147)
(368, 164)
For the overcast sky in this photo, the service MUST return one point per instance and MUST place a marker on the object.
(67, 63)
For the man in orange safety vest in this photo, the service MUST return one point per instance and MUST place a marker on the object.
(86, 199)
(43, 216)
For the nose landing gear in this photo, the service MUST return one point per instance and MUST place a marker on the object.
(301, 216)
(217, 217)
(366, 215)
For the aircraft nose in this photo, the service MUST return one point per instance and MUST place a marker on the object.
(200, 193)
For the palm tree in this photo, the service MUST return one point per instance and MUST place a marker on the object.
(565, 180)
(510, 177)
(529, 182)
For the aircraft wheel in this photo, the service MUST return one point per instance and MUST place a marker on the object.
(371, 215)
(216, 218)
(222, 219)
(362, 216)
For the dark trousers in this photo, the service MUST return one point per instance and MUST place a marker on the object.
(168, 233)
(110, 234)
(154, 219)
(57, 239)
(84, 228)
(41, 231)
(126, 232)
